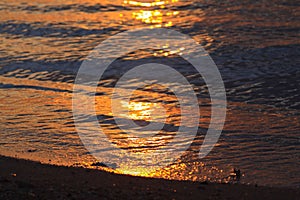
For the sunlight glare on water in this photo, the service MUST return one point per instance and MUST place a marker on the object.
(253, 43)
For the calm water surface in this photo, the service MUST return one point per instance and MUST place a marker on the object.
(255, 45)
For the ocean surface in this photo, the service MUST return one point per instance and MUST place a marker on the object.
(255, 45)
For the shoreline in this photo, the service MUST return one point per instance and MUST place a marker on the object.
(25, 179)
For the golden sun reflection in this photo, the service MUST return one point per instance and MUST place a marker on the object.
(149, 4)
(139, 171)
(140, 110)
(156, 18)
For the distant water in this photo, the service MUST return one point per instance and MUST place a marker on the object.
(255, 45)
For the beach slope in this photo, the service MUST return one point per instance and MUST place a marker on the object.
(23, 179)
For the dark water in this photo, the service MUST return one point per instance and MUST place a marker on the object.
(255, 45)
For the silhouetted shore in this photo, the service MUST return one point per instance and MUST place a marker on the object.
(23, 179)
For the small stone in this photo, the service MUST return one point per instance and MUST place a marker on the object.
(99, 164)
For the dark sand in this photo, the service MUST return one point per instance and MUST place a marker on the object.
(23, 179)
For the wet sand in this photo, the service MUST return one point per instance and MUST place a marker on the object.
(23, 179)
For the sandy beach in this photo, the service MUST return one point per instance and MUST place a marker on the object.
(24, 179)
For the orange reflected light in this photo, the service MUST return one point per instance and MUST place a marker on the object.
(148, 16)
(136, 172)
(140, 110)
(154, 17)
(149, 4)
